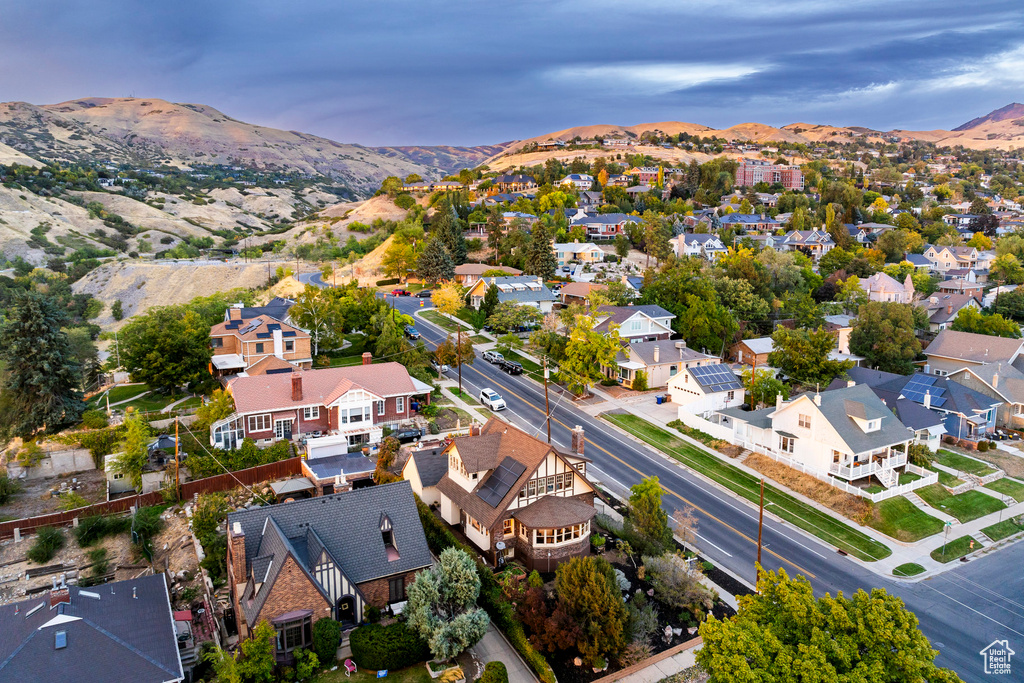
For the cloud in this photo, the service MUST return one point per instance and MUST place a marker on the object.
(650, 79)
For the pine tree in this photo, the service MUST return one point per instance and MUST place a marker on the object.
(41, 389)
(435, 262)
(447, 227)
(490, 302)
(540, 257)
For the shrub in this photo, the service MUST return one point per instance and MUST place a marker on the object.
(94, 419)
(982, 446)
(117, 310)
(8, 487)
(373, 614)
(534, 580)
(96, 527)
(640, 381)
(597, 541)
(404, 201)
(145, 524)
(326, 636)
(307, 663)
(676, 584)
(48, 542)
(378, 647)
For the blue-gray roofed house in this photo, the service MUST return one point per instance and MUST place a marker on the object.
(522, 289)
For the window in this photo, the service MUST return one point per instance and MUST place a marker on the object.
(217, 342)
(509, 527)
(805, 421)
(259, 423)
(356, 439)
(259, 347)
(380, 407)
(294, 634)
(289, 346)
(787, 444)
(730, 396)
(634, 325)
(311, 413)
(836, 455)
(562, 535)
(672, 370)
(118, 475)
(396, 589)
(400, 404)
(532, 486)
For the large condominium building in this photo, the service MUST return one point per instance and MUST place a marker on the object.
(753, 171)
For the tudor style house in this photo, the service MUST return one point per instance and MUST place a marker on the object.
(514, 495)
(352, 402)
(241, 342)
(323, 558)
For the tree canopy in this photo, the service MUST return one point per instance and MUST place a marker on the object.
(442, 605)
(167, 348)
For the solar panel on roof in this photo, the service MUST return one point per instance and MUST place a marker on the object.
(501, 481)
(251, 326)
(716, 377)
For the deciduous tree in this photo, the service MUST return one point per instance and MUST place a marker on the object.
(971, 319)
(884, 333)
(647, 519)
(167, 348)
(586, 352)
(804, 355)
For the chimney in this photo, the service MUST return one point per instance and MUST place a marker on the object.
(778, 401)
(59, 595)
(578, 442)
(995, 381)
(135, 595)
(657, 354)
(817, 399)
(297, 386)
(235, 312)
(927, 399)
(474, 429)
(949, 309)
(236, 547)
(367, 357)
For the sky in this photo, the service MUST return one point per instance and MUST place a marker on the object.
(391, 72)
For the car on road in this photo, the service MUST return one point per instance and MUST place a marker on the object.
(493, 357)
(437, 367)
(424, 294)
(491, 399)
(512, 367)
(411, 332)
(407, 434)
(399, 292)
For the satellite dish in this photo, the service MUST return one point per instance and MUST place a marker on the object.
(500, 545)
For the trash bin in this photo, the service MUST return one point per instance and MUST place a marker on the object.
(660, 399)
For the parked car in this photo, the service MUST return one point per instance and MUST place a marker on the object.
(492, 399)
(399, 292)
(411, 332)
(512, 367)
(407, 434)
(442, 368)
(424, 293)
(493, 357)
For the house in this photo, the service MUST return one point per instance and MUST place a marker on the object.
(468, 273)
(581, 181)
(752, 351)
(636, 323)
(522, 289)
(919, 261)
(527, 220)
(660, 361)
(603, 226)
(424, 469)
(814, 243)
(990, 297)
(999, 381)
(241, 343)
(583, 252)
(706, 246)
(703, 387)
(960, 219)
(962, 286)
(508, 182)
(352, 402)
(516, 496)
(840, 325)
(120, 631)
(159, 465)
(942, 309)
(579, 292)
(637, 190)
(847, 433)
(589, 199)
(277, 308)
(645, 175)
(949, 258)
(750, 172)
(751, 222)
(885, 288)
(952, 350)
(329, 557)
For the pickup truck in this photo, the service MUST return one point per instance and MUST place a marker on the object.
(511, 367)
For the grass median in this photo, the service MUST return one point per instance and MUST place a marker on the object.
(444, 323)
(800, 514)
(955, 549)
(908, 569)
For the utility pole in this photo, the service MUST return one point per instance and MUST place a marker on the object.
(753, 381)
(458, 356)
(177, 485)
(760, 524)
(547, 409)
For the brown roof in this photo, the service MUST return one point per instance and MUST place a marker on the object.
(497, 441)
(481, 268)
(555, 511)
(319, 387)
(980, 348)
(221, 329)
(581, 290)
(268, 363)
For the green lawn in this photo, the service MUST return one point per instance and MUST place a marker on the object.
(441, 321)
(532, 369)
(947, 479)
(480, 339)
(964, 506)
(955, 549)
(118, 393)
(899, 518)
(413, 674)
(908, 569)
(1007, 527)
(1008, 487)
(908, 477)
(152, 402)
(807, 517)
(955, 461)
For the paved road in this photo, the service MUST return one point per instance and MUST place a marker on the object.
(961, 611)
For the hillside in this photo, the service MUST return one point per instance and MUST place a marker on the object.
(56, 224)
(448, 159)
(1010, 111)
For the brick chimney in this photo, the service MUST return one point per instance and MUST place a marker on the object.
(236, 543)
(297, 386)
(474, 429)
(235, 312)
(995, 381)
(367, 357)
(578, 442)
(59, 595)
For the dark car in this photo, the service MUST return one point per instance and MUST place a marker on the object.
(512, 367)
(407, 434)
(411, 332)
(424, 293)
(399, 292)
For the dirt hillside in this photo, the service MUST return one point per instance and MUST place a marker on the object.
(59, 222)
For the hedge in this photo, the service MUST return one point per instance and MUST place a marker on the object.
(387, 647)
(326, 635)
(494, 672)
(439, 538)
(388, 281)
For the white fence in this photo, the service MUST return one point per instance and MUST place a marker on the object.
(716, 431)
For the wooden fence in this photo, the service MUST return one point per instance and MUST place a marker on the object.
(220, 482)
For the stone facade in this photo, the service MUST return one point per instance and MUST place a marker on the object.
(292, 590)
(547, 559)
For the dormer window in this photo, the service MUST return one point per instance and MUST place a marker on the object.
(873, 425)
(387, 535)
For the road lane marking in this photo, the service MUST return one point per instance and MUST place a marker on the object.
(994, 621)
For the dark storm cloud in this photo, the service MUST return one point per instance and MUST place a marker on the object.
(392, 72)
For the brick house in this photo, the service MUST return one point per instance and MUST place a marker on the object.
(753, 171)
(323, 558)
(516, 496)
(355, 402)
(239, 343)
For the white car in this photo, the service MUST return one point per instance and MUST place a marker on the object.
(442, 368)
(493, 357)
(492, 400)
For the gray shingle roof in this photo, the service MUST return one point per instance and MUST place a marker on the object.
(431, 465)
(840, 406)
(117, 638)
(979, 348)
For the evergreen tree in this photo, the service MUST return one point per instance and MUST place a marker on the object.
(647, 518)
(448, 229)
(42, 384)
(435, 262)
(442, 605)
(490, 303)
(588, 592)
(540, 257)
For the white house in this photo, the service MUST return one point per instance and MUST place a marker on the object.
(704, 245)
(699, 389)
(581, 181)
(885, 288)
(636, 323)
(584, 252)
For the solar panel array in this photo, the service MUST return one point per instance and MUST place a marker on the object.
(715, 378)
(251, 326)
(501, 481)
(916, 388)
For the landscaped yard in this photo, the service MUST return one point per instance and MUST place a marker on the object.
(480, 339)
(118, 393)
(955, 549)
(908, 569)
(1007, 527)
(908, 477)
(1008, 487)
(962, 463)
(412, 674)
(152, 402)
(964, 506)
(904, 521)
(807, 517)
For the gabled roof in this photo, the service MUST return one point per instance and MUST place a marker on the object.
(120, 632)
(481, 268)
(977, 348)
(759, 345)
(277, 308)
(431, 464)
(260, 328)
(1005, 379)
(841, 406)
(667, 352)
(270, 365)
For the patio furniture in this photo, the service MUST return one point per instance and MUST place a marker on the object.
(350, 668)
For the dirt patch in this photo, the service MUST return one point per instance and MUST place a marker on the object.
(1011, 464)
(35, 497)
(850, 506)
(446, 419)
